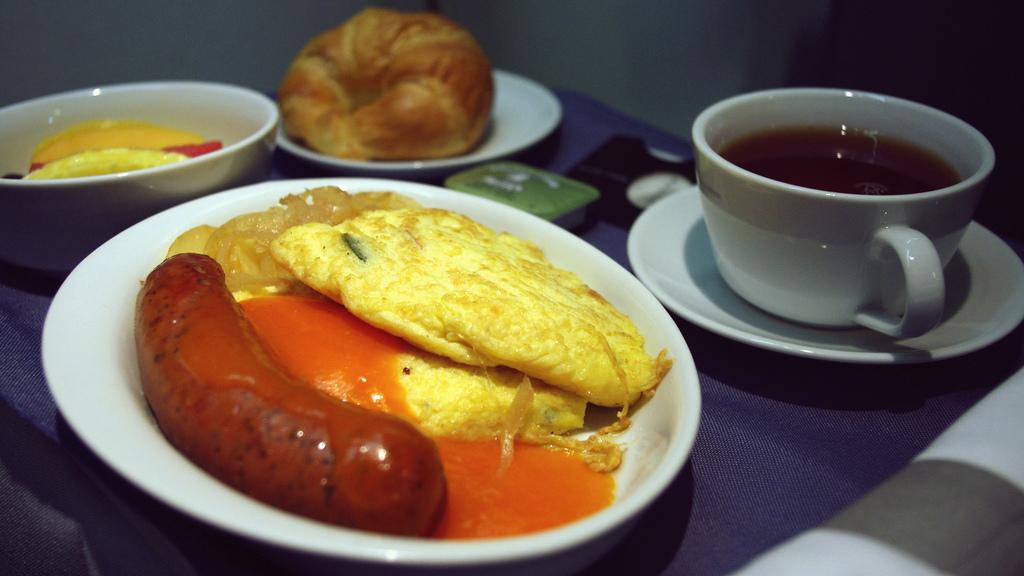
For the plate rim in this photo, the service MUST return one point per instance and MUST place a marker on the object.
(371, 547)
(977, 233)
(503, 81)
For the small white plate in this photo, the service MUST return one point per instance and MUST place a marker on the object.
(524, 113)
(90, 364)
(670, 251)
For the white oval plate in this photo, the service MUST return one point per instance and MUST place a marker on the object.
(524, 113)
(670, 252)
(90, 365)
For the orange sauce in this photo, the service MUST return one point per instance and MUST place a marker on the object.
(541, 489)
(322, 343)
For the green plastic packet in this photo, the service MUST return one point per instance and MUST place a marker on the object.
(546, 194)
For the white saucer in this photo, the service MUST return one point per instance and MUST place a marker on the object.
(670, 251)
(524, 113)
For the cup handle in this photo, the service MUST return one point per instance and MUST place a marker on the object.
(922, 279)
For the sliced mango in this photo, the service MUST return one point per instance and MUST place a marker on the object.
(109, 161)
(104, 134)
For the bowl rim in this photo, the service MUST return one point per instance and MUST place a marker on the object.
(415, 552)
(255, 98)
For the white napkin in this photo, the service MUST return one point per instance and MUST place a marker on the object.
(958, 508)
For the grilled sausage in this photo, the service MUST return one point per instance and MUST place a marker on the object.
(222, 401)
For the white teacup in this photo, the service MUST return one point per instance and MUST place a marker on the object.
(828, 258)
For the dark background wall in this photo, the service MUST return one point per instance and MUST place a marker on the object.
(659, 60)
(959, 57)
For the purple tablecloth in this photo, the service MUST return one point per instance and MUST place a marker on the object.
(784, 442)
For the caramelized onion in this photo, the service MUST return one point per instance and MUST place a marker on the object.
(514, 420)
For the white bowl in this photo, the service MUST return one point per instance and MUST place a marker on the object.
(52, 224)
(90, 365)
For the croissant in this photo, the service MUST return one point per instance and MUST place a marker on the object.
(389, 85)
